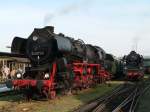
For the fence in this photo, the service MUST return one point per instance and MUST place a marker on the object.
(12, 63)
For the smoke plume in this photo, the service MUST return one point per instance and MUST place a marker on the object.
(67, 10)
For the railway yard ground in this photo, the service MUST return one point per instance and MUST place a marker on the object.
(17, 103)
(71, 103)
(144, 105)
(144, 102)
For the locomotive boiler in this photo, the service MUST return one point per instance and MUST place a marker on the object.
(133, 65)
(58, 63)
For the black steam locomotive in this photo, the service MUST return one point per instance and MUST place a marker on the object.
(58, 62)
(133, 65)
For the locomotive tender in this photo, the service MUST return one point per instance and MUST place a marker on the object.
(114, 66)
(146, 65)
(133, 66)
(58, 63)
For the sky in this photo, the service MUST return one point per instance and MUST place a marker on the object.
(118, 26)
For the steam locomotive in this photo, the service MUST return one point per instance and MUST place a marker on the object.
(133, 66)
(58, 63)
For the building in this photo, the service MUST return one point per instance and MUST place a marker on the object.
(13, 63)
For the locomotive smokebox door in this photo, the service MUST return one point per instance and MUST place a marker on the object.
(41, 46)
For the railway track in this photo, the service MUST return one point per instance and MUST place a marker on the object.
(131, 102)
(4, 91)
(9, 93)
(122, 99)
(100, 103)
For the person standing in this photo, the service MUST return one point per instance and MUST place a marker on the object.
(5, 72)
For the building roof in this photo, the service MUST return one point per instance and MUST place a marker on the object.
(16, 59)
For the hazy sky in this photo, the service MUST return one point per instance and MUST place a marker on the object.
(115, 25)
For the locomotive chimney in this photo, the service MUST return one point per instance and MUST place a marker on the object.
(50, 28)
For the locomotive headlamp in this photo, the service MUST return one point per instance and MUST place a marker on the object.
(19, 75)
(46, 76)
